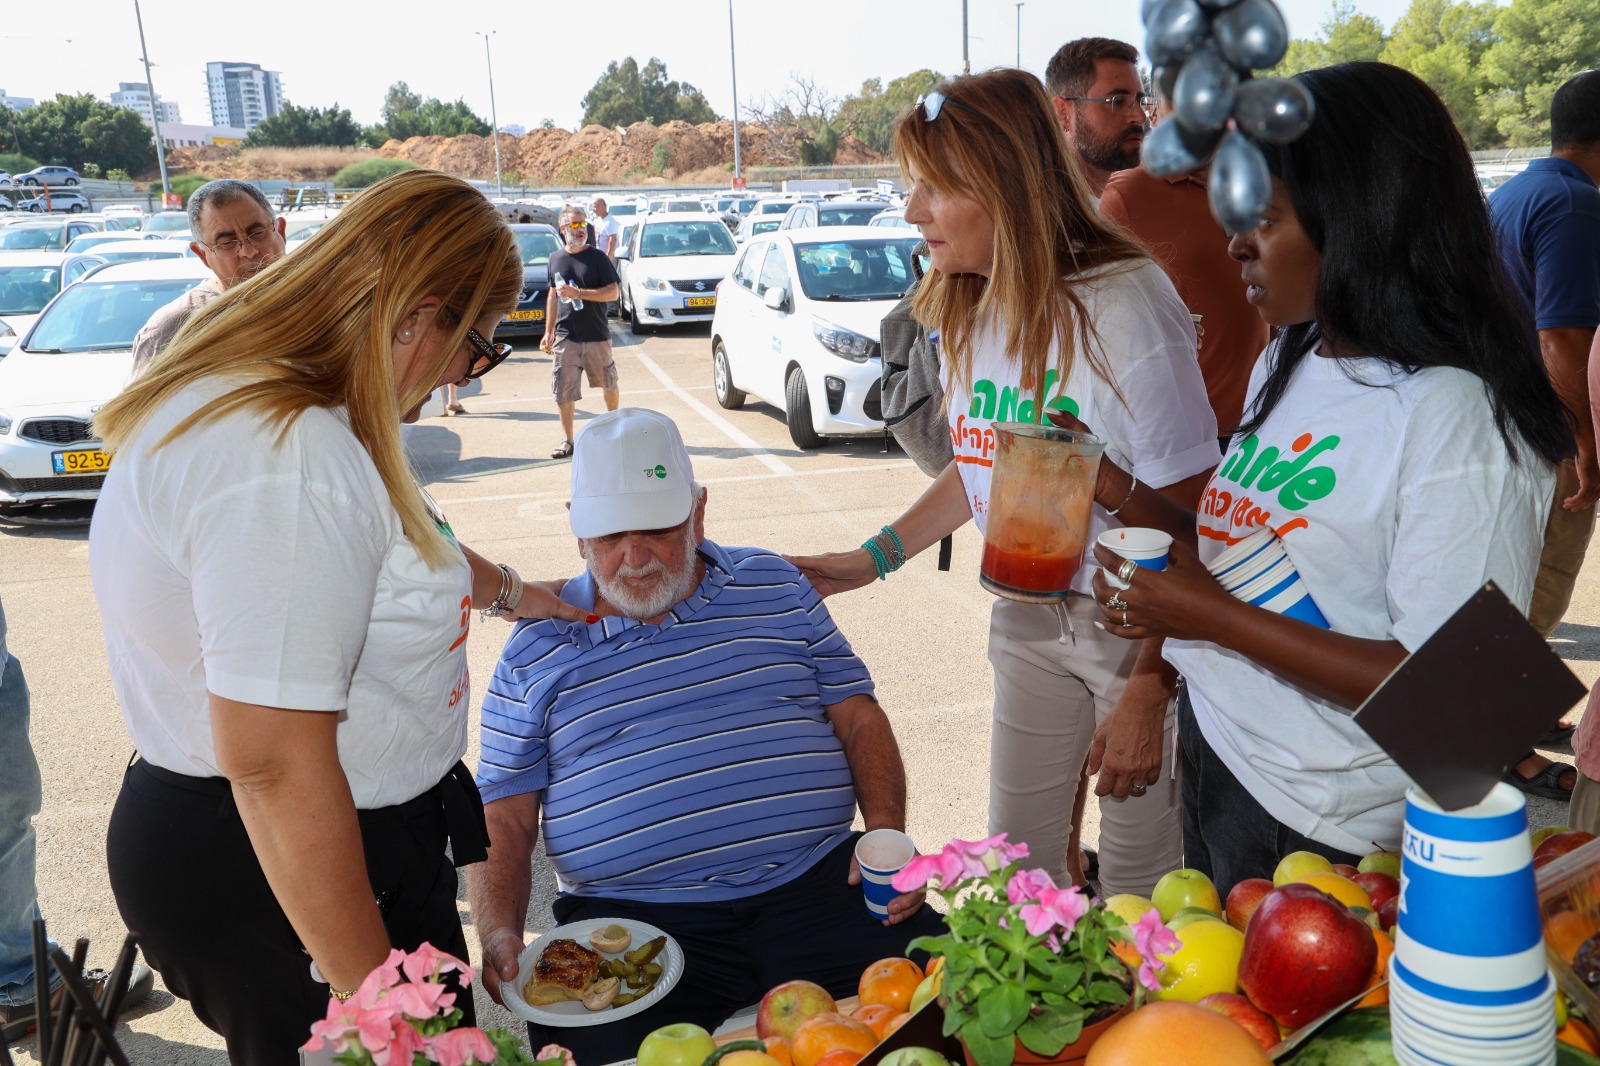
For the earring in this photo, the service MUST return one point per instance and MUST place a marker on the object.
(405, 334)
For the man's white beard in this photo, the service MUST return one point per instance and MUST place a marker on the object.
(672, 587)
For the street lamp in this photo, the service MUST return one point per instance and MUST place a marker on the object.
(733, 66)
(1019, 33)
(494, 118)
(155, 109)
(966, 62)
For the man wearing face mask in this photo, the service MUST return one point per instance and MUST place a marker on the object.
(582, 281)
(1101, 105)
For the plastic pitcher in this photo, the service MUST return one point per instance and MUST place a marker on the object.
(1040, 494)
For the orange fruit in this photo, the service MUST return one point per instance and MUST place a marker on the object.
(1165, 1033)
(1578, 1033)
(1379, 996)
(822, 1033)
(1340, 888)
(748, 1058)
(1565, 931)
(778, 1048)
(840, 1058)
(877, 1015)
(897, 1021)
(890, 982)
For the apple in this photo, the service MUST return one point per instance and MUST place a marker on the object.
(1244, 898)
(1185, 888)
(1304, 954)
(914, 1056)
(1378, 886)
(787, 1005)
(1384, 862)
(1344, 869)
(1128, 907)
(1558, 845)
(927, 991)
(1541, 835)
(1251, 1018)
(678, 1044)
(1191, 914)
(1295, 865)
(1389, 914)
(1368, 915)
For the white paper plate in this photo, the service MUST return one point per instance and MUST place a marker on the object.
(572, 1013)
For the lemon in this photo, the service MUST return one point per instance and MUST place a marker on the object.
(1207, 961)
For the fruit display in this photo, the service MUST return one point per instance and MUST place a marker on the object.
(1304, 954)
(1176, 1034)
(787, 1006)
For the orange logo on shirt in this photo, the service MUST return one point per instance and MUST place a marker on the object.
(1294, 481)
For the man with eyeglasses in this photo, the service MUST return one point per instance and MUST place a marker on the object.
(235, 236)
(580, 342)
(1101, 105)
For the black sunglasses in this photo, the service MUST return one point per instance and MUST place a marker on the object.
(486, 356)
(933, 103)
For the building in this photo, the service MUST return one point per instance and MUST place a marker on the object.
(183, 135)
(135, 96)
(513, 129)
(242, 94)
(16, 103)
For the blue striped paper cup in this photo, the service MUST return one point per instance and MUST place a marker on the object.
(1149, 548)
(1258, 571)
(881, 854)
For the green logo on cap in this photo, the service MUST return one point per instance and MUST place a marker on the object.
(660, 471)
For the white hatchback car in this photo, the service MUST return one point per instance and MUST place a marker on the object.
(671, 268)
(797, 325)
(29, 281)
(77, 356)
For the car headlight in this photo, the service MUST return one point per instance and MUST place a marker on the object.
(655, 285)
(5, 423)
(845, 343)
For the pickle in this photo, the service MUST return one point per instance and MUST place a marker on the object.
(608, 968)
(623, 968)
(638, 980)
(645, 952)
(651, 968)
(624, 999)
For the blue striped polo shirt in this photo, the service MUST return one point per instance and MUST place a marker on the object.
(687, 762)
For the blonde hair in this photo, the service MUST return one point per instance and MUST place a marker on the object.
(317, 328)
(1004, 150)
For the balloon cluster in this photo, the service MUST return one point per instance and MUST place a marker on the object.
(1204, 52)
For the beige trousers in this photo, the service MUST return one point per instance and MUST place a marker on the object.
(1566, 540)
(1048, 699)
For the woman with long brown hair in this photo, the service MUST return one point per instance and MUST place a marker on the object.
(1041, 305)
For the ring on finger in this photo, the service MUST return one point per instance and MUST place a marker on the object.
(1116, 603)
(1126, 571)
(1140, 790)
(1125, 623)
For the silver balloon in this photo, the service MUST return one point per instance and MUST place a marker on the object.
(1146, 9)
(1252, 34)
(1205, 91)
(1165, 79)
(1170, 150)
(1275, 110)
(1174, 29)
(1218, 4)
(1241, 185)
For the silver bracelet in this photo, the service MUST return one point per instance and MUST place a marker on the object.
(1131, 490)
(509, 596)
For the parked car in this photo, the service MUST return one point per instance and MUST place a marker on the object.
(5, 179)
(140, 251)
(830, 213)
(678, 205)
(44, 235)
(754, 225)
(48, 176)
(28, 281)
(798, 326)
(77, 356)
(537, 243)
(86, 241)
(55, 200)
(165, 223)
(670, 269)
(894, 218)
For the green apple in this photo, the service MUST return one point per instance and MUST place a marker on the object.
(1297, 864)
(926, 992)
(1541, 835)
(1185, 888)
(1191, 914)
(679, 1044)
(1388, 862)
(1128, 907)
(914, 1056)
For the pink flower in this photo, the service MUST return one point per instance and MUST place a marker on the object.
(429, 963)
(379, 981)
(922, 870)
(403, 1045)
(1057, 907)
(418, 1000)
(1028, 884)
(989, 855)
(460, 1047)
(344, 1021)
(556, 1052)
(1153, 940)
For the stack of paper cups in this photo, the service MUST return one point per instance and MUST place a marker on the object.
(1258, 571)
(1469, 983)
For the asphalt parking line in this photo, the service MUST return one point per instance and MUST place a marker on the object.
(534, 400)
(729, 430)
(894, 464)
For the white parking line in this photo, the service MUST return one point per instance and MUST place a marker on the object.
(892, 464)
(728, 429)
(530, 400)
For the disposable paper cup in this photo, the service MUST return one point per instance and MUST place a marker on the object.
(881, 854)
(1147, 547)
(1417, 1043)
(1443, 1014)
(1258, 571)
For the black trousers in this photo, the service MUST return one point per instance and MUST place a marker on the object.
(187, 882)
(815, 928)
(1227, 835)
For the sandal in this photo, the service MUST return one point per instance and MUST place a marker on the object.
(1546, 783)
(457, 409)
(1560, 733)
(563, 452)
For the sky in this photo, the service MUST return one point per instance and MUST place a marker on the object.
(350, 52)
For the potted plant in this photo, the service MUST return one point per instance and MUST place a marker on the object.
(404, 1015)
(1030, 970)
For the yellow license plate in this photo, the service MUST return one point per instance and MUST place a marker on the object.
(700, 301)
(88, 461)
(525, 316)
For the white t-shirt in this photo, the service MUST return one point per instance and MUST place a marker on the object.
(277, 575)
(1164, 433)
(1396, 500)
(604, 228)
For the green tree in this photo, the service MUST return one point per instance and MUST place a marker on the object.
(406, 114)
(369, 172)
(1347, 36)
(73, 130)
(305, 127)
(185, 184)
(1443, 42)
(1541, 43)
(872, 113)
(624, 94)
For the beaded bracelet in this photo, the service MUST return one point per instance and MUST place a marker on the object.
(899, 549)
(1134, 487)
(880, 562)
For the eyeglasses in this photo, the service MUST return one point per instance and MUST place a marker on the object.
(487, 357)
(257, 238)
(1119, 102)
(933, 103)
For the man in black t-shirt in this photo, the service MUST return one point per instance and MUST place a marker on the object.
(582, 280)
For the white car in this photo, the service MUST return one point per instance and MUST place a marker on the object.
(164, 224)
(754, 225)
(55, 200)
(671, 267)
(28, 281)
(797, 325)
(85, 242)
(894, 218)
(77, 356)
(44, 235)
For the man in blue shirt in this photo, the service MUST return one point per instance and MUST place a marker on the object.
(695, 754)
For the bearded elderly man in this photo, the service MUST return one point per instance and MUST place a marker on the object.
(697, 750)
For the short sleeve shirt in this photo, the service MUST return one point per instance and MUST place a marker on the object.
(590, 268)
(1548, 222)
(153, 338)
(607, 227)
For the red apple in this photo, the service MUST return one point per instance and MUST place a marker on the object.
(1253, 1020)
(1304, 954)
(1244, 898)
(1379, 887)
(1556, 846)
(1344, 869)
(787, 1005)
(1389, 913)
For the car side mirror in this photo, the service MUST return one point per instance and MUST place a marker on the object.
(621, 253)
(777, 298)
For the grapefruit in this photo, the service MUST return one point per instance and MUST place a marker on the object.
(1176, 1034)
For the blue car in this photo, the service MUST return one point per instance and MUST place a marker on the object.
(537, 242)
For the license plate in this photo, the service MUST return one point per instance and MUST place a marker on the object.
(87, 461)
(700, 301)
(526, 316)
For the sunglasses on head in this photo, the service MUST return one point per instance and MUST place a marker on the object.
(933, 103)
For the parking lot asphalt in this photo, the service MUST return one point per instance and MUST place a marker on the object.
(923, 633)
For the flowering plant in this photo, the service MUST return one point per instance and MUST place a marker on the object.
(414, 1021)
(1024, 960)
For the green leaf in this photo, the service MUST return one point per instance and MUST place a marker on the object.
(1107, 992)
(987, 1050)
(1002, 1010)
(1046, 1034)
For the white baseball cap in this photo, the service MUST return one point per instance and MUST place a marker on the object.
(629, 471)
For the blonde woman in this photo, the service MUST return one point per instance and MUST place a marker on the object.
(286, 613)
(1041, 305)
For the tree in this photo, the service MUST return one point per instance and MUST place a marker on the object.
(1443, 42)
(305, 127)
(72, 130)
(406, 114)
(1541, 43)
(872, 113)
(802, 120)
(1347, 36)
(624, 94)
(369, 172)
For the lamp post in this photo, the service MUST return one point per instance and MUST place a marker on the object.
(966, 62)
(733, 66)
(155, 108)
(494, 117)
(1019, 34)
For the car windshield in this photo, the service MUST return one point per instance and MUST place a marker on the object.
(29, 239)
(537, 246)
(765, 225)
(97, 316)
(685, 238)
(622, 209)
(89, 240)
(171, 222)
(25, 290)
(137, 253)
(846, 214)
(774, 207)
(676, 207)
(299, 231)
(856, 270)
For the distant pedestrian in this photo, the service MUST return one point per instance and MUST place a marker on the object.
(582, 280)
(1100, 105)
(606, 228)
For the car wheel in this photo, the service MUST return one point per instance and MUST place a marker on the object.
(72, 181)
(30, 181)
(728, 397)
(797, 412)
(75, 208)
